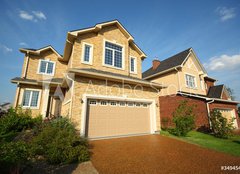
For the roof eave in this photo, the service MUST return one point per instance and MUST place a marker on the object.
(114, 78)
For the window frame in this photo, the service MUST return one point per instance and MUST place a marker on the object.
(123, 55)
(45, 73)
(135, 65)
(84, 44)
(195, 81)
(30, 98)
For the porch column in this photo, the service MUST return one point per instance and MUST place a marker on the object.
(45, 97)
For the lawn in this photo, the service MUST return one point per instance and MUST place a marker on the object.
(230, 146)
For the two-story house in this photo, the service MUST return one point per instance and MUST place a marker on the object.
(97, 83)
(187, 79)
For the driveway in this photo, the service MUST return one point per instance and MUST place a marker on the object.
(156, 154)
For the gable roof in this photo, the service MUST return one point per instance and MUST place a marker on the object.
(72, 35)
(215, 91)
(38, 51)
(171, 62)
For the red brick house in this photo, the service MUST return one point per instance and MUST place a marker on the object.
(188, 80)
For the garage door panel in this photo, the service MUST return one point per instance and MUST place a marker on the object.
(117, 120)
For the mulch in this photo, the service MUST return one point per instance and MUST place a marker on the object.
(156, 154)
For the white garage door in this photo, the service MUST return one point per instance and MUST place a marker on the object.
(115, 118)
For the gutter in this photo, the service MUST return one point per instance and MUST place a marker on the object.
(209, 115)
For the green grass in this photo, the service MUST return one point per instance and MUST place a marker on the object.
(230, 146)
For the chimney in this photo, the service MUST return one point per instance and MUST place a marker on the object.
(155, 63)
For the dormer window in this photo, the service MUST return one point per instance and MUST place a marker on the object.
(46, 67)
(190, 81)
(87, 53)
(113, 55)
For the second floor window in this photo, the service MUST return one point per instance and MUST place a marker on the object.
(113, 55)
(87, 53)
(46, 67)
(133, 65)
(30, 98)
(190, 81)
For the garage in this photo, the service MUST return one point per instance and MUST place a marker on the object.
(109, 118)
(230, 115)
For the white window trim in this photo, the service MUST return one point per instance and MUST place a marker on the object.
(90, 56)
(38, 102)
(135, 65)
(46, 60)
(123, 55)
(195, 80)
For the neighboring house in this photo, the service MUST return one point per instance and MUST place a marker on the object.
(187, 79)
(4, 108)
(97, 83)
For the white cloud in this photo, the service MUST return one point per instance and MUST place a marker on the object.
(23, 44)
(223, 62)
(33, 16)
(39, 15)
(25, 15)
(226, 13)
(5, 49)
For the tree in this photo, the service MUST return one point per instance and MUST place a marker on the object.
(230, 92)
(184, 119)
(238, 110)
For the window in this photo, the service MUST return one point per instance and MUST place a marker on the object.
(190, 81)
(122, 104)
(113, 55)
(112, 103)
(87, 53)
(130, 104)
(30, 98)
(103, 103)
(137, 104)
(145, 105)
(133, 68)
(46, 67)
(93, 102)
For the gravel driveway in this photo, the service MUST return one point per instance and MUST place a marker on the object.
(157, 154)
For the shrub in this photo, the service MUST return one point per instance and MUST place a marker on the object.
(221, 127)
(184, 119)
(165, 121)
(13, 155)
(16, 120)
(59, 143)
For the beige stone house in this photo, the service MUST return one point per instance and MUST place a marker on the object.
(97, 83)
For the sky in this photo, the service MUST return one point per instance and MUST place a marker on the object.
(160, 28)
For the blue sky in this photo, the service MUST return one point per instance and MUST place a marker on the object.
(160, 28)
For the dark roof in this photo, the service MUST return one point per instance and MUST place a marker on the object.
(112, 74)
(215, 91)
(168, 63)
(19, 79)
(33, 49)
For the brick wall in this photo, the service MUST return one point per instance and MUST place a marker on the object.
(168, 105)
(225, 106)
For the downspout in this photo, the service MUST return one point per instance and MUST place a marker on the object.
(208, 110)
(71, 95)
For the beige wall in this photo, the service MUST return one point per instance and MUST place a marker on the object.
(112, 34)
(97, 87)
(32, 71)
(175, 80)
(191, 67)
(171, 80)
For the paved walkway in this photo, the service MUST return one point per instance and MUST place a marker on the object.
(155, 154)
